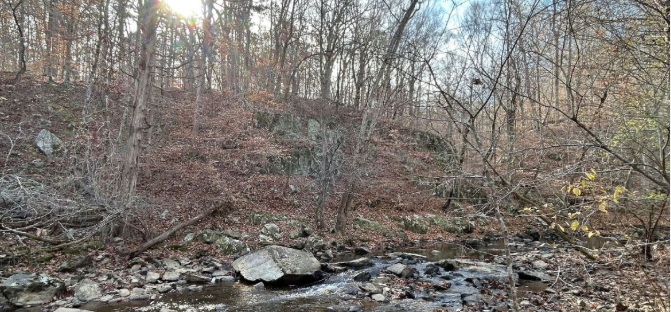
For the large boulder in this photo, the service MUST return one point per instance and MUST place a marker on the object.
(48, 143)
(30, 289)
(278, 265)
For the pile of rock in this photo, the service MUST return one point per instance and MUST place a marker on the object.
(140, 280)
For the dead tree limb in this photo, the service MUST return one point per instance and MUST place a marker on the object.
(148, 244)
(32, 236)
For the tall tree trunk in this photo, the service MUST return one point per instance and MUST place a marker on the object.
(557, 52)
(51, 29)
(121, 42)
(372, 113)
(18, 20)
(148, 20)
(344, 207)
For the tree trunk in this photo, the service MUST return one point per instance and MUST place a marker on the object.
(18, 20)
(148, 22)
(343, 208)
(51, 29)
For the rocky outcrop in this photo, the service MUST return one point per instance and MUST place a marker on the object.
(314, 130)
(365, 224)
(281, 124)
(452, 225)
(299, 161)
(30, 289)
(415, 224)
(278, 265)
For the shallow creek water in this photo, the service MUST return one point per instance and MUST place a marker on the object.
(329, 293)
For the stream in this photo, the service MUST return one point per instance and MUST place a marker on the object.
(340, 292)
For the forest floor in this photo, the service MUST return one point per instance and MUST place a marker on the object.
(183, 172)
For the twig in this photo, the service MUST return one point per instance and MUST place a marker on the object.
(11, 147)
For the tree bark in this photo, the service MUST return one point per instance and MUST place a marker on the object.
(148, 23)
(18, 20)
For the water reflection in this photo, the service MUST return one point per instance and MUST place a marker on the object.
(234, 297)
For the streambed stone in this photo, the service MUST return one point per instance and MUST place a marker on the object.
(30, 289)
(279, 265)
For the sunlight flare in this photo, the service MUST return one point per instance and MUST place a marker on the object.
(185, 8)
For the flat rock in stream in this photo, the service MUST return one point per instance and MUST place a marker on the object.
(332, 268)
(70, 310)
(362, 276)
(407, 255)
(196, 278)
(397, 268)
(447, 264)
(378, 297)
(409, 272)
(534, 276)
(356, 263)
(370, 288)
(481, 270)
(361, 250)
(278, 265)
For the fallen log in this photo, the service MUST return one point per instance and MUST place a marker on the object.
(150, 243)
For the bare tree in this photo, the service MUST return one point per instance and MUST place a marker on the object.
(147, 22)
(18, 21)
